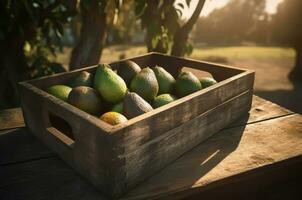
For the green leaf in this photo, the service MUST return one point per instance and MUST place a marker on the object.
(189, 48)
(27, 47)
(154, 42)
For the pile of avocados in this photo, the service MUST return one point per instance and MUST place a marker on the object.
(116, 96)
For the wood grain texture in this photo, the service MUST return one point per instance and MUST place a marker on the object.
(228, 153)
(18, 145)
(208, 170)
(11, 118)
(261, 110)
(45, 179)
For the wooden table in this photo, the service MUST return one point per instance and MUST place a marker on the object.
(258, 156)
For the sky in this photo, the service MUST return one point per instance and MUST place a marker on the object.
(210, 5)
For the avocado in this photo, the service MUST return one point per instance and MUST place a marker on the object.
(207, 81)
(187, 83)
(86, 99)
(110, 85)
(162, 99)
(127, 69)
(83, 79)
(113, 118)
(165, 80)
(134, 105)
(118, 108)
(145, 84)
(60, 91)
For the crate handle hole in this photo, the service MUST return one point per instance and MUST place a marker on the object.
(60, 125)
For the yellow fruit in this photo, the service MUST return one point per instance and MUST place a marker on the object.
(113, 118)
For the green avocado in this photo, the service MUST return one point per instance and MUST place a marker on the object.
(162, 99)
(134, 105)
(60, 91)
(86, 99)
(110, 85)
(118, 108)
(165, 80)
(127, 70)
(207, 81)
(145, 84)
(83, 79)
(187, 83)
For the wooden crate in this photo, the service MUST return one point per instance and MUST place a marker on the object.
(116, 158)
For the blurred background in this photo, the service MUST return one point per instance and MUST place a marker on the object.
(43, 37)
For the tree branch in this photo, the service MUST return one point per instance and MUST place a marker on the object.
(187, 27)
(182, 34)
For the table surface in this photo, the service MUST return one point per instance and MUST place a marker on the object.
(259, 150)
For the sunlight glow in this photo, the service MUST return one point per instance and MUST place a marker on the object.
(210, 5)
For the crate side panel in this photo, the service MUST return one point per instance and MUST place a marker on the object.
(153, 126)
(35, 115)
(91, 154)
(166, 148)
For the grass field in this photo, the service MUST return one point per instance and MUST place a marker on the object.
(113, 53)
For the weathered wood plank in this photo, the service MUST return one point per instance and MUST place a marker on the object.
(261, 110)
(11, 118)
(282, 180)
(228, 153)
(18, 145)
(44, 179)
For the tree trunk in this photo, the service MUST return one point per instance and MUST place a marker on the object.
(296, 73)
(182, 34)
(88, 51)
(151, 13)
(13, 70)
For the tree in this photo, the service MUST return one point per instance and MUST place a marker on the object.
(162, 22)
(180, 46)
(29, 31)
(287, 30)
(93, 30)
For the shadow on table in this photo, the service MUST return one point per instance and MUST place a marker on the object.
(216, 149)
(272, 182)
(187, 170)
(29, 170)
